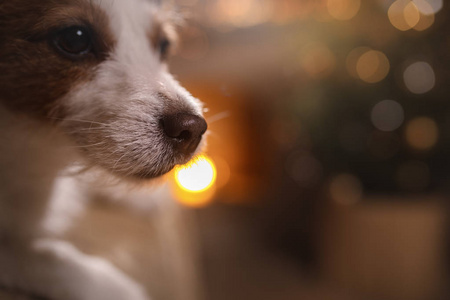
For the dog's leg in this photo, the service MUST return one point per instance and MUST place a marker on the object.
(56, 270)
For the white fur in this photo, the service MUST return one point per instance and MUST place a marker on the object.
(112, 125)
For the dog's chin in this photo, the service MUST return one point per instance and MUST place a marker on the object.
(154, 173)
(150, 174)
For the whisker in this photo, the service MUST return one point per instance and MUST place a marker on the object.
(86, 146)
(212, 134)
(218, 117)
(80, 120)
(87, 121)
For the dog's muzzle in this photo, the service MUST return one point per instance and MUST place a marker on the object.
(184, 131)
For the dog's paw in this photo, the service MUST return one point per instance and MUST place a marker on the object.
(87, 277)
(55, 269)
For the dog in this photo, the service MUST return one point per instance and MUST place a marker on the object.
(87, 107)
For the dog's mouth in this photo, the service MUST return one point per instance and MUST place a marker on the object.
(151, 172)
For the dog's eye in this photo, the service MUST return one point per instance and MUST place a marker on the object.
(74, 41)
(164, 47)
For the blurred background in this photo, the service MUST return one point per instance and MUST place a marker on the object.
(330, 134)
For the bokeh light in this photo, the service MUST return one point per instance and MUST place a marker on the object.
(195, 181)
(387, 115)
(426, 15)
(346, 189)
(422, 133)
(240, 13)
(419, 77)
(413, 14)
(372, 66)
(403, 14)
(196, 176)
(352, 60)
(435, 5)
(288, 11)
(343, 9)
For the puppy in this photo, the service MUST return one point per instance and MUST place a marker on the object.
(84, 85)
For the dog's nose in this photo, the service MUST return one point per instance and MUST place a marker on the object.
(185, 128)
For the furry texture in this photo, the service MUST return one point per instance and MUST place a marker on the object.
(100, 111)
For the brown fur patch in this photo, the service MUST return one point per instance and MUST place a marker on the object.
(33, 76)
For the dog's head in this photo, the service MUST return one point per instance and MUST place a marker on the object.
(97, 69)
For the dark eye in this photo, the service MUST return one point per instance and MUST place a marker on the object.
(164, 47)
(73, 42)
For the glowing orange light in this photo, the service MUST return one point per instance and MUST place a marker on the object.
(411, 14)
(422, 133)
(372, 66)
(195, 182)
(343, 9)
(196, 176)
(404, 14)
(240, 13)
(352, 60)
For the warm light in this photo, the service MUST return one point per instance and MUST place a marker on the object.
(372, 66)
(387, 115)
(241, 13)
(411, 14)
(404, 14)
(343, 9)
(235, 8)
(352, 60)
(426, 15)
(346, 189)
(287, 11)
(422, 133)
(196, 176)
(194, 183)
(419, 77)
